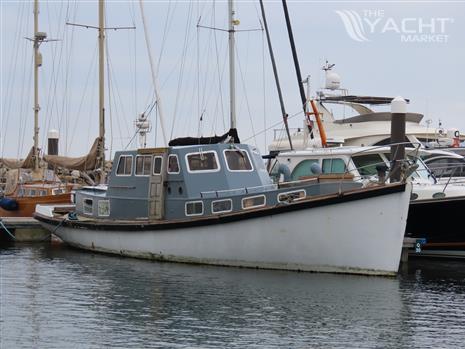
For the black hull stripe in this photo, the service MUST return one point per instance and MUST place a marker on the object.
(228, 218)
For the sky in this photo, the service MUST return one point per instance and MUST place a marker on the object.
(413, 49)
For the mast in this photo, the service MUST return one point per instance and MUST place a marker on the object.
(276, 77)
(37, 64)
(232, 72)
(296, 61)
(101, 49)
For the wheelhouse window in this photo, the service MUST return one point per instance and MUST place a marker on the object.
(194, 208)
(157, 164)
(238, 160)
(291, 196)
(253, 202)
(173, 164)
(333, 166)
(143, 165)
(124, 165)
(366, 164)
(87, 206)
(221, 206)
(202, 162)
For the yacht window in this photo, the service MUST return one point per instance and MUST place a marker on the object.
(157, 163)
(366, 164)
(143, 165)
(43, 193)
(173, 164)
(87, 206)
(104, 208)
(292, 196)
(124, 165)
(194, 208)
(57, 191)
(334, 166)
(303, 169)
(32, 192)
(202, 162)
(447, 167)
(253, 201)
(21, 192)
(221, 206)
(238, 160)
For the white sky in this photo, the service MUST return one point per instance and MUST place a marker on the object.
(431, 74)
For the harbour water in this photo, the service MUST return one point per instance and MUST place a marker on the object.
(56, 297)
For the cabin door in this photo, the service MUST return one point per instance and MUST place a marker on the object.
(156, 189)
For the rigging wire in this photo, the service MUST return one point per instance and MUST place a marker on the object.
(13, 73)
(273, 125)
(181, 70)
(245, 96)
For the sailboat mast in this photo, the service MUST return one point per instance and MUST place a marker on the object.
(101, 47)
(37, 64)
(232, 72)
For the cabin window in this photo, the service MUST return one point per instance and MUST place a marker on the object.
(157, 165)
(253, 201)
(292, 196)
(143, 165)
(202, 162)
(221, 206)
(104, 208)
(21, 192)
(194, 208)
(124, 165)
(305, 168)
(238, 160)
(32, 192)
(87, 206)
(173, 164)
(43, 193)
(366, 164)
(333, 166)
(57, 191)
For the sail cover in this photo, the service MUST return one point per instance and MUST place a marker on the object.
(230, 136)
(14, 164)
(83, 163)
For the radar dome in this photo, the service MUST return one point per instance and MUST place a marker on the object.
(333, 80)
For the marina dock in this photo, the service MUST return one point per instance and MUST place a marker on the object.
(24, 229)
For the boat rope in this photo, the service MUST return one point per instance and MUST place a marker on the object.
(6, 229)
(181, 69)
(273, 125)
(153, 69)
(246, 98)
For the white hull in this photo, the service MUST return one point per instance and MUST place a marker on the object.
(364, 236)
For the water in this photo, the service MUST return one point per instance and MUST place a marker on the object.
(56, 297)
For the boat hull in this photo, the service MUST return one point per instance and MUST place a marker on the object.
(320, 235)
(438, 221)
(27, 205)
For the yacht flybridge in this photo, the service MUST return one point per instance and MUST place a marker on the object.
(362, 123)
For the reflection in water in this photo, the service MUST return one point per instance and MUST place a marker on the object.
(55, 297)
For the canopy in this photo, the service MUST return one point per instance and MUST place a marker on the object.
(83, 163)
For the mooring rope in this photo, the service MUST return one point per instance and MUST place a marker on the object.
(6, 229)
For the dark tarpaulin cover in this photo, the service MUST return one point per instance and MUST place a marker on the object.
(230, 136)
